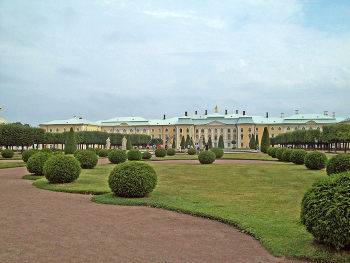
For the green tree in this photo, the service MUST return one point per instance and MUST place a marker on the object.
(188, 140)
(252, 144)
(257, 140)
(174, 144)
(221, 142)
(183, 143)
(128, 142)
(265, 140)
(71, 145)
(210, 143)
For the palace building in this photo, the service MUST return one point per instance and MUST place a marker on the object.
(239, 127)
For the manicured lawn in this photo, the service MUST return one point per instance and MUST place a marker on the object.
(15, 157)
(260, 199)
(4, 165)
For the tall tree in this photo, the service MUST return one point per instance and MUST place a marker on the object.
(252, 144)
(183, 143)
(128, 142)
(71, 145)
(221, 142)
(265, 141)
(210, 143)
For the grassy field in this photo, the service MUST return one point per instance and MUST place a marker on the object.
(4, 165)
(260, 199)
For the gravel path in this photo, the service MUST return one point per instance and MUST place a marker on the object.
(44, 226)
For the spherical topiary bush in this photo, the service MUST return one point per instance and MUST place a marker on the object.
(117, 156)
(315, 160)
(160, 152)
(57, 151)
(26, 154)
(35, 163)
(146, 155)
(279, 153)
(134, 155)
(268, 151)
(46, 150)
(91, 149)
(77, 151)
(298, 156)
(273, 152)
(338, 164)
(87, 159)
(7, 153)
(62, 169)
(286, 155)
(171, 152)
(325, 210)
(218, 152)
(192, 151)
(206, 157)
(103, 153)
(132, 179)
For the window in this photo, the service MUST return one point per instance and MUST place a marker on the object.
(152, 130)
(117, 130)
(110, 130)
(174, 130)
(228, 130)
(216, 130)
(222, 130)
(50, 130)
(215, 137)
(57, 130)
(209, 137)
(234, 130)
(272, 135)
(288, 128)
(242, 129)
(234, 137)
(197, 137)
(202, 130)
(242, 137)
(257, 128)
(272, 128)
(166, 130)
(180, 137)
(303, 128)
(137, 130)
(77, 129)
(228, 144)
(152, 136)
(131, 130)
(187, 130)
(242, 145)
(159, 136)
(318, 128)
(310, 128)
(180, 130)
(249, 136)
(197, 131)
(209, 130)
(249, 129)
(279, 128)
(229, 136)
(144, 130)
(124, 130)
(64, 129)
(295, 128)
(44, 130)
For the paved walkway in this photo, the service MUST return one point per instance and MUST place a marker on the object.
(43, 226)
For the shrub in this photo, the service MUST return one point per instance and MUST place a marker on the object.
(35, 163)
(279, 153)
(71, 144)
(298, 156)
(87, 159)
(273, 152)
(7, 153)
(26, 154)
(268, 151)
(171, 152)
(46, 150)
(57, 151)
(325, 210)
(218, 152)
(192, 151)
(92, 150)
(103, 153)
(62, 169)
(265, 141)
(146, 155)
(77, 151)
(134, 155)
(315, 160)
(338, 164)
(206, 157)
(160, 152)
(132, 179)
(286, 155)
(117, 156)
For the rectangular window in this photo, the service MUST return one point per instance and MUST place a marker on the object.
(242, 144)
(241, 129)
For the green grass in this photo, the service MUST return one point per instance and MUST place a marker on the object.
(5, 165)
(260, 199)
(15, 157)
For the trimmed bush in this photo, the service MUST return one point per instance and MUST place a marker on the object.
(273, 152)
(57, 151)
(7, 153)
(192, 151)
(46, 150)
(325, 210)
(218, 152)
(103, 153)
(87, 159)
(298, 156)
(160, 152)
(35, 163)
(286, 155)
(132, 179)
(62, 169)
(171, 152)
(206, 157)
(134, 155)
(117, 156)
(315, 160)
(338, 164)
(26, 154)
(92, 149)
(71, 144)
(279, 153)
(146, 155)
(77, 151)
(268, 151)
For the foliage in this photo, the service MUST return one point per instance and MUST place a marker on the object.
(117, 156)
(35, 163)
(192, 151)
(156, 141)
(134, 155)
(92, 150)
(16, 134)
(188, 140)
(218, 152)
(221, 142)
(7, 153)
(132, 179)
(298, 156)
(338, 164)
(160, 152)
(279, 153)
(146, 155)
(265, 141)
(206, 157)
(87, 159)
(71, 145)
(256, 140)
(286, 155)
(46, 150)
(325, 210)
(210, 143)
(62, 168)
(77, 151)
(170, 152)
(26, 154)
(273, 152)
(174, 144)
(315, 160)
(252, 144)
(57, 151)
(183, 143)
(128, 143)
(103, 153)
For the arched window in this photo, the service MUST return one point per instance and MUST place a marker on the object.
(249, 129)
(272, 128)
(57, 130)
(228, 130)
(222, 130)
(77, 129)
(256, 128)
(117, 130)
(110, 130)
(279, 128)
(288, 128)
(144, 130)
(152, 130)
(174, 130)
(197, 137)
(249, 136)
(180, 130)
(234, 130)
(131, 130)
(197, 131)
(202, 130)
(215, 137)
(180, 136)
(166, 130)
(209, 130)
(124, 130)
(64, 129)
(159, 130)
(303, 128)
(229, 136)
(272, 135)
(234, 136)
(137, 130)
(187, 130)
(242, 136)
(242, 130)
(216, 130)
(295, 128)
(50, 130)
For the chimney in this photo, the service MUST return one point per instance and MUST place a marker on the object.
(326, 112)
(282, 115)
(195, 112)
(333, 114)
(236, 111)
(296, 111)
(206, 112)
(267, 114)
(164, 117)
(185, 113)
(225, 112)
(75, 117)
(243, 112)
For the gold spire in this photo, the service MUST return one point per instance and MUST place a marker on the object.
(216, 109)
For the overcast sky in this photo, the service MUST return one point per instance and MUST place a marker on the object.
(100, 59)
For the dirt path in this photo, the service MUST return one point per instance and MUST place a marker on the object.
(43, 226)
